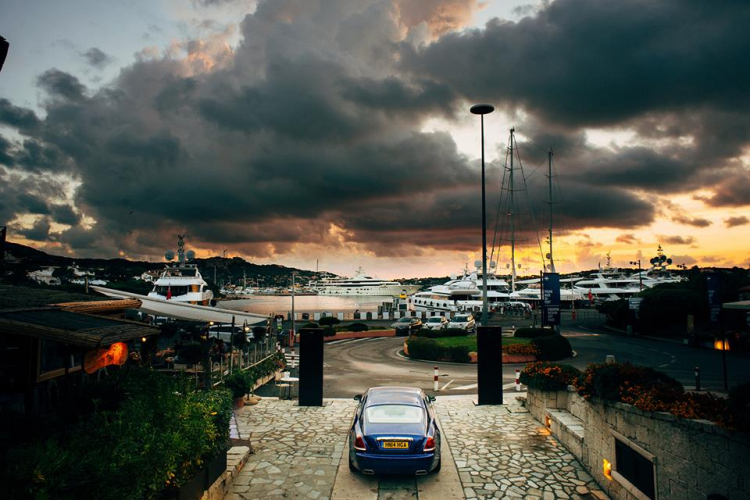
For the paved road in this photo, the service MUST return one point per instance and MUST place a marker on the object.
(352, 366)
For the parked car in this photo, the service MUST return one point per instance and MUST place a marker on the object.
(407, 326)
(394, 432)
(464, 322)
(436, 323)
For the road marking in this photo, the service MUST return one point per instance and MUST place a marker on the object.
(446, 385)
(667, 364)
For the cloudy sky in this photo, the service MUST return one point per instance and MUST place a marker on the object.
(290, 131)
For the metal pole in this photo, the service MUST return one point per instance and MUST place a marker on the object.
(231, 346)
(294, 331)
(435, 379)
(512, 220)
(697, 378)
(484, 240)
(724, 347)
(551, 259)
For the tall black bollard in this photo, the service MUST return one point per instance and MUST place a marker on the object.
(311, 367)
(490, 365)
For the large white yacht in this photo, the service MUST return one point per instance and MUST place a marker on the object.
(181, 281)
(361, 284)
(462, 294)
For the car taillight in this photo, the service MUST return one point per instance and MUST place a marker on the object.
(429, 444)
(359, 444)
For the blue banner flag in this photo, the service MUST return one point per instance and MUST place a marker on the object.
(551, 299)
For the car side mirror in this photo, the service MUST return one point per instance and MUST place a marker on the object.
(358, 397)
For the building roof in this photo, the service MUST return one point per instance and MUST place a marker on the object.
(73, 328)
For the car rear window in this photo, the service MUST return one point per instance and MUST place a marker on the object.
(461, 318)
(434, 320)
(404, 320)
(394, 414)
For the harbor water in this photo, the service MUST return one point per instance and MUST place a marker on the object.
(282, 304)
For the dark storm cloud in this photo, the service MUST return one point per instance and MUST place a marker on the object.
(588, 62)
(38, 232)
(731, 191)
(60, 84)
(24, 120)
(33, 204)
(96, 58)
(313, 122)
(736, 221)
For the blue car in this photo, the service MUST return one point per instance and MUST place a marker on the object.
(394, 432)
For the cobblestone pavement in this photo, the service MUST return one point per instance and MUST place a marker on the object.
(297, 449)
(503, 452)
(499, 452)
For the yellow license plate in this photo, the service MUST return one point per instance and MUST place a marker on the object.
(397, 445)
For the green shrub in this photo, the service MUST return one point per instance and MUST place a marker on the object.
(159, 432)
(329, 331)
(644, 387)
(329, 321)
(310, 325)
(549, 376)
(617, 312)
(239, 383)
(552, 347)
(358, 327)
(436, 334)
(457, 354)
(424, 348)
(532, 333)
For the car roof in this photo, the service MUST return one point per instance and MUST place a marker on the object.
(394, 395)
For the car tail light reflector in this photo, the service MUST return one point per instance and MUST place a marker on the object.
(359, 444)
(429, 444)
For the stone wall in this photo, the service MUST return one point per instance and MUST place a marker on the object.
(692, 458)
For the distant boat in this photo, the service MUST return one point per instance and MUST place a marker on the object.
(361, 284)
(181, 292)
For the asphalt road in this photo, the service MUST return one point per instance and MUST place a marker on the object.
(351, 366)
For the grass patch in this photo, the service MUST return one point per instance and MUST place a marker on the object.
(471, 341)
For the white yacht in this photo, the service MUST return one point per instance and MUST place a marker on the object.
(182, 282)
(361, 284)
(532, 289)
(451, 296)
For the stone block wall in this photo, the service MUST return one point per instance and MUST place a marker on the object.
(692, 458)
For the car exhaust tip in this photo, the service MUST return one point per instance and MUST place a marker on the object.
(421, 472)
(368, 472)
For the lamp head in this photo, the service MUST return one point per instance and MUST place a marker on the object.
(482, 109)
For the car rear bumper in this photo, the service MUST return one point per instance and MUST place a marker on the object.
(395, 464)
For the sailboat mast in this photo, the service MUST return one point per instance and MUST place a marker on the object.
(512, 221)
(551, 259)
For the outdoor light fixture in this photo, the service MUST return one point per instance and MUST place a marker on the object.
(547, 421)
(481, 110)
(721, 345)
(607, 468)
(143, 339)
(640, 276)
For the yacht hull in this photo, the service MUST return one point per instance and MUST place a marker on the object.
(182, 310)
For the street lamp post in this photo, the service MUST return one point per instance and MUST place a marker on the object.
(640, 275)
(294, 330)
(481, 110)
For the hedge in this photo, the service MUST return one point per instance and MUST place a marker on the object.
(428, 349)
(446, 332)
(552, 347)
(549, 376)
(328, 321)
(532, 333)
(357, 327)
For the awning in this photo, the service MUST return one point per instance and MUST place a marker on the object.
(743, 304)
(83, 330)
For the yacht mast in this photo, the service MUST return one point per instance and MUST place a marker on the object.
(551, 260)
(512, 221)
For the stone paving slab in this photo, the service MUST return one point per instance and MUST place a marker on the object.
(503, 452)
(297, 449)
(497, 452)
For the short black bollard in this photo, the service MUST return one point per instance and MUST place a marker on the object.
(697, 378)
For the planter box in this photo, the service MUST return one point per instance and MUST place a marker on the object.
(216, 468)
(192, 490)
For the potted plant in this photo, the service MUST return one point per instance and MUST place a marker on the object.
(239, 383)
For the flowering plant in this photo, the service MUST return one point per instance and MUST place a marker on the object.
(549, 376)
(521, 349)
